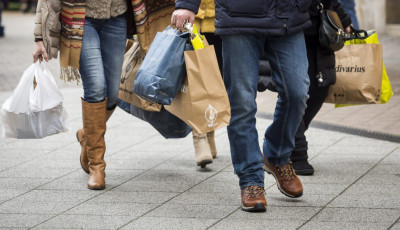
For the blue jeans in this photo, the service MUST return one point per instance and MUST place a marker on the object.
(350, 7)
(288, 58)
(102, 55)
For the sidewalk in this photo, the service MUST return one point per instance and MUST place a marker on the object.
(153, 183)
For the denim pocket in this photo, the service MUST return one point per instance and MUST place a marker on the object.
(248, 8)
(303, 5)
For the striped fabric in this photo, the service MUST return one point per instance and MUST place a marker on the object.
(72, 22)
(151, 16)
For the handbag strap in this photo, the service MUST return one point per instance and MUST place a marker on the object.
(356, 34)
(321, 6)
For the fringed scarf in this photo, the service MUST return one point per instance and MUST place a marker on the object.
(151, 16)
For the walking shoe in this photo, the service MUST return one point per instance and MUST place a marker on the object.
(286, 179)
(302, 167)
(253, 199)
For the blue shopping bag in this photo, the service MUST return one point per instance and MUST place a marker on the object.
(163, 69)
(167, 124)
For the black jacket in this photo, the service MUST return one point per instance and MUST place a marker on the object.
(321, 61)
(267, 17)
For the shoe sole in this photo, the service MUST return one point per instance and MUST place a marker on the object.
(256, 208)
(305, 172)
(279, 187)
(203, 163)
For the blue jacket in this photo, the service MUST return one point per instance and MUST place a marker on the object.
(266, 17)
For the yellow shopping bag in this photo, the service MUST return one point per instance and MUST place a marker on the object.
(372, 38)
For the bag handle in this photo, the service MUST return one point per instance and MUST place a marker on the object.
(356, 34)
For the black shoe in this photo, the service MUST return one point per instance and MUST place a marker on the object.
(302, 167)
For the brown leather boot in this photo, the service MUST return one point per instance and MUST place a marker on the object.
(94, 125)
(202, 149)
(211, 142)
(80, 135)
(253, 199)
(286, 179)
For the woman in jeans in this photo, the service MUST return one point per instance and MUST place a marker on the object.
(91, 38)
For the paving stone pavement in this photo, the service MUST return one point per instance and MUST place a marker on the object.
(153, 183)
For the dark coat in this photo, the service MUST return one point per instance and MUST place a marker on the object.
(267, 17)
(321, 61)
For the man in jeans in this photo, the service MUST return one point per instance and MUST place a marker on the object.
(247, 27)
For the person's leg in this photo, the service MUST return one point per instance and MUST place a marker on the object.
(240, 76)
(91, 137)
(288, 60)
(350, 7)
(113, 40)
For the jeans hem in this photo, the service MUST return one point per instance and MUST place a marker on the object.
(282, 160)
(251, 184)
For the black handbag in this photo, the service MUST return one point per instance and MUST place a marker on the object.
(331, 32)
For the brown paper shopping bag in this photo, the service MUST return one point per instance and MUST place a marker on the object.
(358, 75)
(132, 60)
(202, 101)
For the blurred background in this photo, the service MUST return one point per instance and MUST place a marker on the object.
(17, 20)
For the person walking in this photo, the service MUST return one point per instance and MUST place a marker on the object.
(92, 36)
(321, 71)
(247, 28)
(204, 144)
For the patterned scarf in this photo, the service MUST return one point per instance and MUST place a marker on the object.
(151, 16)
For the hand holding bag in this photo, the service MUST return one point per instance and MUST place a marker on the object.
(163, 69)
(34, 111)
(331, 31)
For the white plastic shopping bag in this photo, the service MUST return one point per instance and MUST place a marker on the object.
(34, 112)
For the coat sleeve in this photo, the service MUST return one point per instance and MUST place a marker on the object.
(344, 17)
(37, 31)
(192, 5)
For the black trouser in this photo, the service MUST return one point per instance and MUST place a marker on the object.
(215, 40)
(314, 104)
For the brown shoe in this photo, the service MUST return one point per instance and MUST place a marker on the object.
(253, 199)
(286, 179)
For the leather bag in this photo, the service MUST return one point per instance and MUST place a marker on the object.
(331, 31)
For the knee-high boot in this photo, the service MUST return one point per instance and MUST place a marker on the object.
(80, 136)
(94, 127)
(202, 149)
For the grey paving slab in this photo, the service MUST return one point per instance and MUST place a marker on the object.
(190, 165)
(158, 223)
(21, 220)
(390, 201)
(259, 224)
(155, 186)
(29, 172)
(344, 225)
(209, 186)
(280, 214)
(85, 222)
(357, 215)
(322, 189)
(134, 197)
(396, 227)
(376, 149)
(373, 189)
(115, 209)
(214, 199)
(7, 194)
(385, 170)
(354, 159)
(278, 200)
(393, 158)
(55, 195)
(192, 211)
(24, 207)
(380, 179)
(22, 183)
